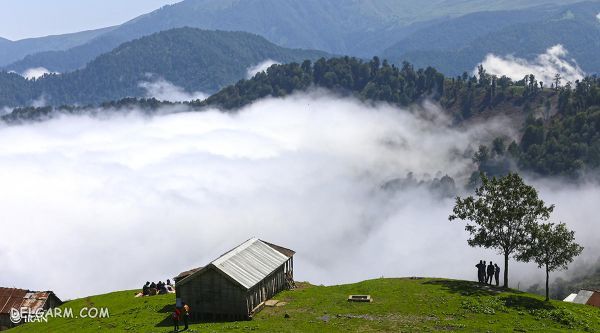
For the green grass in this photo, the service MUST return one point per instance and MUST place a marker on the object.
(400, 305)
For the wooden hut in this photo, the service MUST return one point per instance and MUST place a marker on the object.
(33, 301)
(236, 285)
(585, 296)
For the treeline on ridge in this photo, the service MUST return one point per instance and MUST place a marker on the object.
(560, 133)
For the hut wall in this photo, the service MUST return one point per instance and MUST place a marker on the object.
(5, 322)
(52, 302)
(211, 296)
(594, 300)
(268, 287)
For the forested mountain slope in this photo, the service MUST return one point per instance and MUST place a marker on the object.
(194, 59)
(460, 44)
(354, 27)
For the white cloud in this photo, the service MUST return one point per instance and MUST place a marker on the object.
(39, 102)
(598, 16)
(164, 90)
(107, 204)
(35, 73)
(261, 67)
(544, 67)
(5, 110)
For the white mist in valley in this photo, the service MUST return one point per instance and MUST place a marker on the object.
(545, 66)
(260, 67)
(36, 73)
(164, 90)
(104, 204)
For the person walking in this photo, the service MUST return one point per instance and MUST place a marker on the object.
(479, 271)
(176, 316)
(490, 273)
(186, 315)
(497, 274)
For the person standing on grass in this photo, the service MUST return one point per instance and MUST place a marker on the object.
(186, 315)
(176, 315)
(483, 276)
(497, 274)
(490, 273)
(479, 271)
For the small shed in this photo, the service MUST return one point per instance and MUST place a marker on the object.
(13, 298)
(236, 285)
(586, 296)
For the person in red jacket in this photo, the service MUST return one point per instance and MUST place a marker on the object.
(176, 316)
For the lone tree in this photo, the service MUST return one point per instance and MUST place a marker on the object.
(552, 246)
(501, 215)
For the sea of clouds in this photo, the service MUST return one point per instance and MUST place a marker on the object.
(106, 203)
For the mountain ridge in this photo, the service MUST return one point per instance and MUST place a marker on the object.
(357, 28)
(193, 59)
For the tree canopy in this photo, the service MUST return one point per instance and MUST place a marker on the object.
(553, 247)
(501, 215)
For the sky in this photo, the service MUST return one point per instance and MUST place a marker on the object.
(34, 18)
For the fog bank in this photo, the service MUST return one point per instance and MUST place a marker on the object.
(106, 204)
(545, 66)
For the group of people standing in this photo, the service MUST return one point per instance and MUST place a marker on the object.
(486, 273)
(184, 312)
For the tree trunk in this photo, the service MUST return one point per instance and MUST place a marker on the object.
(547, 288)
(505, 270)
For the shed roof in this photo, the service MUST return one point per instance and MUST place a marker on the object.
(570, 298)
(17, 298)
(185, 274)
(589, 297)
(249, 263)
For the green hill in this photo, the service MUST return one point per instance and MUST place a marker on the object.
(194, 59)
(399, 305)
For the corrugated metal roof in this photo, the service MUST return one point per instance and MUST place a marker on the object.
(17, 298)
(570, 298)
(249, 263)
(11, 298)
(583, 296)
(185, 274)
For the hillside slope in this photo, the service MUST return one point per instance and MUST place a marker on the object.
(11, 51)
(460, 44)
(196, 60)
(398, 305)
(356, 27)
